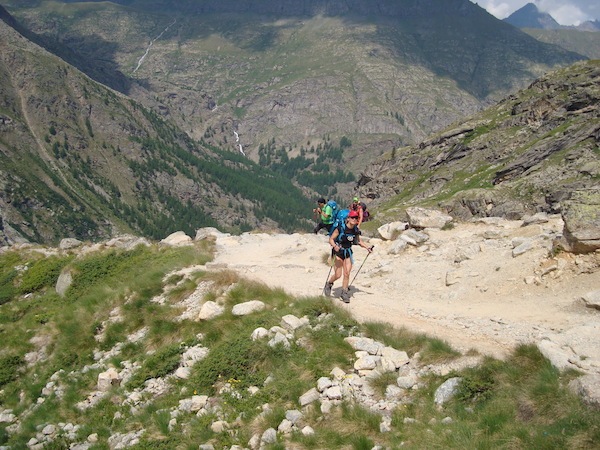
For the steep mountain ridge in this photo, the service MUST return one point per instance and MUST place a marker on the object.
(528, 153)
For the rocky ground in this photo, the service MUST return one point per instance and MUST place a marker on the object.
(486, 285)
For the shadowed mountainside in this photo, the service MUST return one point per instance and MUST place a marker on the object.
(382, 73)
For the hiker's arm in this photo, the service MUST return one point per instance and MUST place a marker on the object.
(369, 248)
(332, 239)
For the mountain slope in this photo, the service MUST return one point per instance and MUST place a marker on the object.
(80, 160)
(525, 154)
(583, 42)
(155, 348)
(381, 73)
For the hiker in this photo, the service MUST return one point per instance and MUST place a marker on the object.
(357, 206)
(325, 213)
(341, 240)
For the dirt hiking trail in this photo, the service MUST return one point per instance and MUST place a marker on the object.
(463, 285)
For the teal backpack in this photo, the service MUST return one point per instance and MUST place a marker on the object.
(340, 219)
(334, 209)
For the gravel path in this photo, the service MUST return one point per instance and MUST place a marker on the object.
(462, 285)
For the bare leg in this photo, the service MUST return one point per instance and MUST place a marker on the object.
(337, 272)
(347, 266)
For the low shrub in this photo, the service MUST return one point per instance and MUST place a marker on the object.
(43, 273)
(9, 368)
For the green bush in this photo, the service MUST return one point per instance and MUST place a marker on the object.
(42, 274)
(7, 288)
(9, 366)
(8, 273)
(94, 269)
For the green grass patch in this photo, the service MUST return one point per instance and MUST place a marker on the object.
(522, 402)
(158, 364)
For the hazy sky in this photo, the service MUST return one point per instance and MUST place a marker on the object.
(565, 12)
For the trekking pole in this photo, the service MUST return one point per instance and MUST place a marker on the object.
(363, 263)
(330, 268)
(327, 279)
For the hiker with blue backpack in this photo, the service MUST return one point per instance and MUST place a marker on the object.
(326, 213)
(344, 235)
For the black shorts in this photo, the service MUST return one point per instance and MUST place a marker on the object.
(343, 253)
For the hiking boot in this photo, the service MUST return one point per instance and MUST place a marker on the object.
(345, 296)
(327, 289)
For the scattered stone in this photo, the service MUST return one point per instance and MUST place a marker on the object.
(127, 242)
(581, 216)
(207, 232)
(279, 339)
(310, 396)
(592, 299)
(522, 248)
(307, 431)
(588, 388)
(446, 391)
(452, 277)
(397, 247)
(269, 436)
(333, 393)
(108, 379)
(291, 322)
(558, 356)
(177, 239)
(414, 237)
(259, 333)
(427, 218)
(407, 382)
(69, 243)
(65, 279)
(537, 218)
(210, 310)
(365, 344)
(243, 309)
(294, 416)
(193, 354)
(220, 426)
(391, 231)
(323, 383)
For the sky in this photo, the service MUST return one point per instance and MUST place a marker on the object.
(565, 12)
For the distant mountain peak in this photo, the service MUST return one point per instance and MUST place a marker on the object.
(529, 16)
(590, 25)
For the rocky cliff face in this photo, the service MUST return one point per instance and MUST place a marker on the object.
(528, 153)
